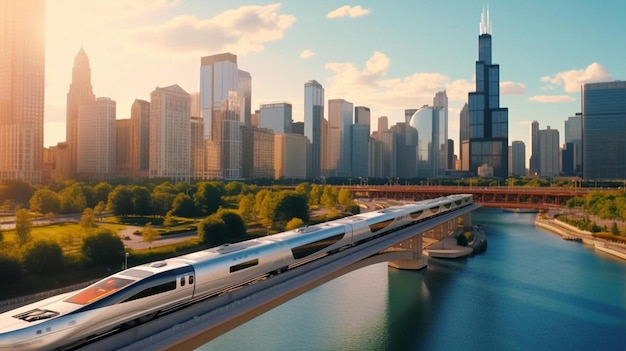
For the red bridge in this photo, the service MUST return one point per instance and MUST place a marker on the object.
(541, 198)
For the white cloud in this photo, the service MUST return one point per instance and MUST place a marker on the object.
(347, 11)
(242, 31)
(572, 79)
(305, 54)
(512, 88)
(551, 98)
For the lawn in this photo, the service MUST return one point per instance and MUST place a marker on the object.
(69, 235)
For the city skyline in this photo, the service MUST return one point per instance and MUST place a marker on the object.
(285, 45)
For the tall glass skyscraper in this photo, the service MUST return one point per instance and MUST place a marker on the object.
(604, 130)
(313, 115)
(22, 77)
(488, 122)
(574, 136)
(432, 141)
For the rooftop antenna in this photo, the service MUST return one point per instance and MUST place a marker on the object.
(485, 23)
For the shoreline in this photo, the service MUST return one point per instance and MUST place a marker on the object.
(567, 232)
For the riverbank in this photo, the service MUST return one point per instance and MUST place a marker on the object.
(568, 232)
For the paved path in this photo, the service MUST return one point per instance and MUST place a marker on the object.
(135, 242)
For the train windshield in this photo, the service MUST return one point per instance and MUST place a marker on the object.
(99, 290)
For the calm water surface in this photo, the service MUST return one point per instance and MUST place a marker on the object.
(530, 291)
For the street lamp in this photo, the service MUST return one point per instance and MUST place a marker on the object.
(126, 254)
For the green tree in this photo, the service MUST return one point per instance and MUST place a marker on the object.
(344, 197)
(212, 230)
(246, 207)
(142, 201)
(267, 211)
(208, 198)
(183, 206)
(11, 270)
(294, 223)
(103, 247)
(163, 202)
(45, 200)
(43, 257)
(461, 240)
(99, 208)
(168, 220)
(329, 197)
(90, 195)
(149, 234)
(102, 189)
(23, 226)
(258, 201)
(121, 201)
(289, 205)
(233, 188)
(235, 227)
(17, 192)
(315, 195)
(88, 219)
(72, 199)
(614, 229)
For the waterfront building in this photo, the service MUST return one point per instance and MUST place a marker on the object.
(549, 155)
(518, 158)
(140, 138)
(535, 150)
(340, 117)
(604, 130)
(488, 122)
(313, 116)
(22, 79)
(276, 116)
(432, 144)
(574, 135)
(97, 140)
(170, 131)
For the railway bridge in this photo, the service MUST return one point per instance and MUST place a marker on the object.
(199, 323)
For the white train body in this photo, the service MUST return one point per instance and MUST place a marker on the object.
(140, 293)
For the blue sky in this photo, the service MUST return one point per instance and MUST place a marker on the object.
(388, 55)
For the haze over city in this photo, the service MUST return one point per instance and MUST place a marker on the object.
(388, 58)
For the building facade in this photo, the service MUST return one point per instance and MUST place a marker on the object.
(518, 158)
(170, 131)
(123, 137)
(140, 138)
(258, 153)
(313, 116)
(97, 140)
(22, 82)
(276, 116)
(339, 144)
(289, 150)
(550, 153)
(535, 150)
(604, 130)
(574, 135)
(432, 144)
(488, 122)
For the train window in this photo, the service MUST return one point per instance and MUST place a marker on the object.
(458, 202)
(434, 209)
(311, 248)
(380, 225)
(244, 265)
(447, 205)
(191, 279)
(416, 214)
(153, 290)
(99, 290)
(182, 281)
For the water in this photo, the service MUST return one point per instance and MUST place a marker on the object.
(530, 291)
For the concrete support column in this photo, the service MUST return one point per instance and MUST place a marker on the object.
(413, 245)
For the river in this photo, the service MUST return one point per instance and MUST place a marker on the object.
(531, 290)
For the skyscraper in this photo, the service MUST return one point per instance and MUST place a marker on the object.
(518, 156)
(97, 140)
(574, 135)
(340, 117)
(362, 115)
(464, 137)
(313, 115)
(488, 122)
(276, 116)
(80, 93)
(432, 144)
(535, 150)
(22, 76)
(244, 93)
(604, 130)
(140, 138)
(170, 133)
(549, 154)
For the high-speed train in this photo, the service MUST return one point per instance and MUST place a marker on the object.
(140, 293)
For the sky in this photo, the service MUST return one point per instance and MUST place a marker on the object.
(387, 55)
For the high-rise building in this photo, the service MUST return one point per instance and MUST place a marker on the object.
(362, 116)
(140, 138)
(432, 145)
(276, 116)
(170, 132)
(258, 153)
(550, 152)
(97, 140)
(297, 128)
(489, 123)
(80, 93)
(123, 138)
(535, 150)
(390, 150)
(574, 135)
(451, 156)
(375, 162)
(198, 158)
(339, 145)
(383, 124)
(289, 150)
(406, 150)
(22, 77)
(604, 130)
(464, 128)
(408, 114)
(359, 158)
(313, 116)
(58, 159)
(518, 158)
(224, 96)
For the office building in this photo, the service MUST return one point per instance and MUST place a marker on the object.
(488, 122)
(22, 77)
(257, 153)
(340, 117)
(313, 116)
(170, 132)
(518, 158)
(406, 150)
(97, 140)
(535, 150)
(390, 150)
(604, 130)
(290, 156)
(276, 116)
(464, 128)
(123, 137)
(140, 138)
(432, 145)
(244, 93)
(198, 158)
(549, 154)
(574, 136)
(362, 116)
(359, 139)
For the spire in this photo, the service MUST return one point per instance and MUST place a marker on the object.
(485, 23)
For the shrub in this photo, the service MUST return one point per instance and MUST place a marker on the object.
(43, 257)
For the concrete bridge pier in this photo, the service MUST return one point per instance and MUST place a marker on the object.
(413, 247)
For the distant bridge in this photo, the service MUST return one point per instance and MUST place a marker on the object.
(541, 198)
